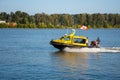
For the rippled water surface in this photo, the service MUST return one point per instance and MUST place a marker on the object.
(25, 54)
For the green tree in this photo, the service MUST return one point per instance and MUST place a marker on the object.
(3, 16)
(42, 20)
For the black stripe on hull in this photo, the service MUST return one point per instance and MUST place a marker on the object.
(61, 46)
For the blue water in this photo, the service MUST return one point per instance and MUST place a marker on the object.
(25, 54)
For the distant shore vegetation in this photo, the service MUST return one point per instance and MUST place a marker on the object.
(20, 19)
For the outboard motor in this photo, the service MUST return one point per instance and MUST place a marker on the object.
(95, 43)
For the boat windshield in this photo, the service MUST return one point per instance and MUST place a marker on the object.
(67, 38)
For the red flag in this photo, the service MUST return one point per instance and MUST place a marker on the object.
(83, 27)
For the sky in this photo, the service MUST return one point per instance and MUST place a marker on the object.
(60, 6)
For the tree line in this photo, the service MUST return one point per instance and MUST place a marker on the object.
(42, 20)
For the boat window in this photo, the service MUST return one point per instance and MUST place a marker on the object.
(67, 38)
(79, 40)
(83, 41)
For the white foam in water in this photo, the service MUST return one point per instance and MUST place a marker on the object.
(110, 49)
(113, 49)
(67, 49)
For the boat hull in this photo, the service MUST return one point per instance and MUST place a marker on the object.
(61, 46)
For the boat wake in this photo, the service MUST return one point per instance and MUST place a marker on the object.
(103, 49)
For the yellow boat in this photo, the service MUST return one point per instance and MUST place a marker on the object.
(71, 41)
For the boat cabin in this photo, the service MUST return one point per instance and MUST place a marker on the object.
(73, 40)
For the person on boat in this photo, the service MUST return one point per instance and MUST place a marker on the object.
(98, 42)
(64, 36)
(93, 43)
